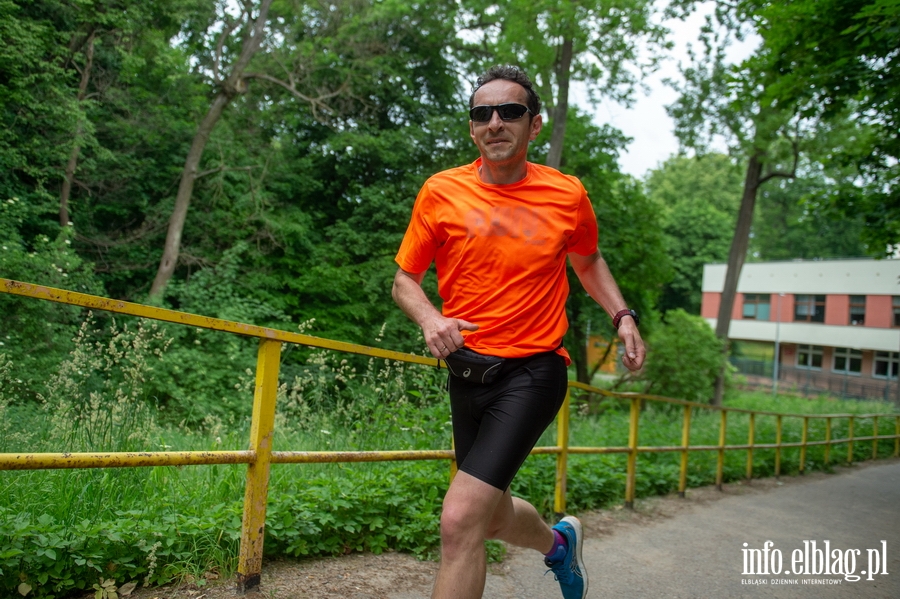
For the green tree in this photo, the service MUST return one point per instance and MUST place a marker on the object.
(733, 101)
(229, 59)
(792, 222)
(838, 58)
(38, 110)
(698, 202)
(606, 44)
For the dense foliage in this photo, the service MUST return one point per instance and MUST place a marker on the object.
(685, 357)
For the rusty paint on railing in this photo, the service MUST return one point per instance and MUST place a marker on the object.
(136, 459)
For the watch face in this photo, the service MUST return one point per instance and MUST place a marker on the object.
(637, 319)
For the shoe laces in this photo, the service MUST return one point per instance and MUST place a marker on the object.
(560, 572)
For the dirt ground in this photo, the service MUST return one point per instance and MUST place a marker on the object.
(368, 576)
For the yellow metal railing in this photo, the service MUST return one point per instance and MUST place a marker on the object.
(260, 454)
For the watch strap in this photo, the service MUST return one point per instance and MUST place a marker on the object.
(617, 319)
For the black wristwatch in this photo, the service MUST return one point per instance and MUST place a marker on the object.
(617, 319)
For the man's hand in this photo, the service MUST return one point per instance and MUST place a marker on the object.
(443, 334)
(634, 345)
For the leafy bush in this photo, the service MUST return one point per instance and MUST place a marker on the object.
(684, 358)
(36, 335)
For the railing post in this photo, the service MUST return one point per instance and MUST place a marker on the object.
(685, 443)
(850, 442)
(875, 440)
(897, 433)
(257, 490)
(750, 438)
(562, 458)
(803, 444)
(454, 467)
(720, 459)
(828, 440)
(778, 446)
(632, 452)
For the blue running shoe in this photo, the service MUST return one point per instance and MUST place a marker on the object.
(569, 571)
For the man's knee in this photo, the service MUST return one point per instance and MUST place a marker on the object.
(460, 525)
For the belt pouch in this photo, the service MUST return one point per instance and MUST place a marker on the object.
(474, 367)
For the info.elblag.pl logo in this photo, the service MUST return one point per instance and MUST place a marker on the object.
(813, 559)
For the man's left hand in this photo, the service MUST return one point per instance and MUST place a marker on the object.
(634, 345)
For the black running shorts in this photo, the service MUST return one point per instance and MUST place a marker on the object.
(496, 426)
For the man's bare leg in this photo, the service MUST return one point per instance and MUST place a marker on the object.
(473, 511)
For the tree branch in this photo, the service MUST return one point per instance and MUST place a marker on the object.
(220, 43)
(221, 169)
(315, 103)
(784, 174)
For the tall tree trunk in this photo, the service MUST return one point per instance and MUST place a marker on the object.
(72, 163)
(736, 256)
(578, 349)
(233, 85)
(185, 189)
(561, 109)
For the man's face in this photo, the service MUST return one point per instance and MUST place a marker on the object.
(503, 142)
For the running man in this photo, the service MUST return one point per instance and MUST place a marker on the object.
(499, 231)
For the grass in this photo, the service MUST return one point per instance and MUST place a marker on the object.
(63, 531)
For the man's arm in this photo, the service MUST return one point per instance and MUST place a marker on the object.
(594, 275)
(442, 335)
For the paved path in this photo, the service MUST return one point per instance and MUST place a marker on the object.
(696, 552)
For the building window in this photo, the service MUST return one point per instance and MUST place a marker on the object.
(809, 356)
(897, 310)
(886, 364)
(756, 306)
(810, 308)
(847, 361)
(858, 309)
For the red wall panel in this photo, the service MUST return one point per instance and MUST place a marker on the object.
(879, 311)
(837, 309)
(709, 308)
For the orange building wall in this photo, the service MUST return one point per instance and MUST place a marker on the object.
(837, 309)
(709, 308)
(783, 304)
(737, 310)
(879, 311)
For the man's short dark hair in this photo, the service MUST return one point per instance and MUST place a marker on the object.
(509, 73)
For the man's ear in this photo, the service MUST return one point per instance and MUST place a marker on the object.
(537, 122)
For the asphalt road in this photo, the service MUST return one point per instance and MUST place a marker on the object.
(697, 551)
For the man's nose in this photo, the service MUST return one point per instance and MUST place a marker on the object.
(496, 123)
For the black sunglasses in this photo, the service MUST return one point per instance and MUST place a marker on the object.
(507, 112)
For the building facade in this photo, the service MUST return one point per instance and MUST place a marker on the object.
(836, 323)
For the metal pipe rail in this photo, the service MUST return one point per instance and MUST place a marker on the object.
(260, 454)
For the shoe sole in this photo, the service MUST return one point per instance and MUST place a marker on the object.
(575, 523)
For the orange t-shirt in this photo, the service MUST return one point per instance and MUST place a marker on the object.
(500, 253)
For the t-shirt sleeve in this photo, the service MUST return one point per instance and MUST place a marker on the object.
(583, 240)
(419, 244)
